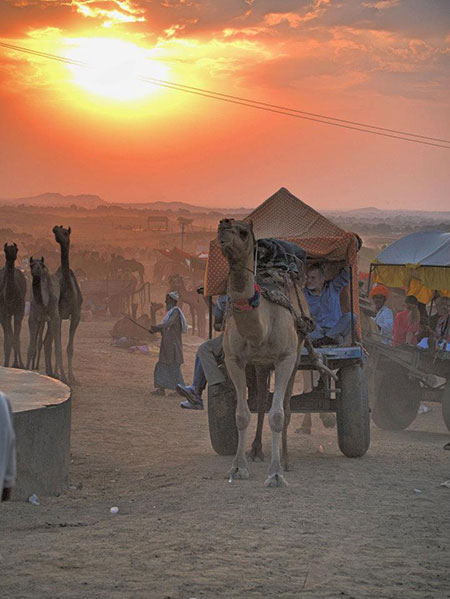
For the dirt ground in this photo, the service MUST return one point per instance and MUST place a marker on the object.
(343, 528)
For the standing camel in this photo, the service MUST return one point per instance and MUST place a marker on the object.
(119, 263)
(13, 289)
(195, 302)
(262, 333)
(70, 298)
(44, 308)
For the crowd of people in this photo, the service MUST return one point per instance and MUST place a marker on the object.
(412, 326)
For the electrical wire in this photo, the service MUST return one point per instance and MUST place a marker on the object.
(318, 118)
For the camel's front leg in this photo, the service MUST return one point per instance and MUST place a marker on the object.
(236, 372)
(283, 373)
(8, 339)
(287, 419)
(74, 321)
(18, 363)
(262, 387)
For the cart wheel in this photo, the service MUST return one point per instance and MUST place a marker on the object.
(446, 405)
(221, 417)
(352, 412)
(396, 401)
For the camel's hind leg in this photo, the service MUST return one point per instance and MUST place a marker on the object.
(74, 322)
(283, 374)
(237, 375)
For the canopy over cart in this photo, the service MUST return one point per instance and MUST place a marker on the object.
(419, 263)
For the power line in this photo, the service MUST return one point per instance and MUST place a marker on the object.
(318, 118)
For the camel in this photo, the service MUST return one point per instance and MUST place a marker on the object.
(262, 333)
(70, 298)
(125, 327)
(13, 289)
(195, 302)
(44, 308)
(119, 263)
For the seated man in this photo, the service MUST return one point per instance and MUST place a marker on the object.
(323, 297)
(384, 317)
(206, 368)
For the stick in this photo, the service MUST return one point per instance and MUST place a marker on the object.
(136, 323)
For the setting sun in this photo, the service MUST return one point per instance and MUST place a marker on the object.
(114, 68)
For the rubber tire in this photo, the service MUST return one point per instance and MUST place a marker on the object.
(446, 405)
(396, 402)
(222, 418)
(352, 412)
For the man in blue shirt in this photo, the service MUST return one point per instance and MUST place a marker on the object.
(323, 297)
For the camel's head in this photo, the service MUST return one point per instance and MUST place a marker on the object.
(155, 307)
(62, 235)
(11, 251)
(175, 281)
(37, 267)
(236, 240)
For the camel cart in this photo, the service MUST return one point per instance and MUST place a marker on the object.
(401, 377)
(285, 217)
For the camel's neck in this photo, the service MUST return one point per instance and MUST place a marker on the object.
(10, 283)
(241, 287)
(65, 257)
(37, 291)
(241, 280)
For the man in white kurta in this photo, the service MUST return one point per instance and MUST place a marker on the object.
(384, 317)
(7, 449)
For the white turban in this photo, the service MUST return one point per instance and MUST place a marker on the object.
(174, 295)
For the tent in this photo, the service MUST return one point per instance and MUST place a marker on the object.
(419, 263)
(284, 216)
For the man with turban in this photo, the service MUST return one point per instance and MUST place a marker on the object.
(384, 317)
(168, 373)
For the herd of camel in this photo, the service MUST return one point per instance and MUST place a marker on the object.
(53, 298)
(57, 297)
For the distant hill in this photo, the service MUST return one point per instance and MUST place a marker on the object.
(57, 200)
(177, 206)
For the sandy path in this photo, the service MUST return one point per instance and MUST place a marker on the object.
(343, 528)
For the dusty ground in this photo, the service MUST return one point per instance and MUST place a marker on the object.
(343, 528)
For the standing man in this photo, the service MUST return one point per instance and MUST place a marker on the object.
(7, 449)
(384, 317)
(323, 297)
(168, 368)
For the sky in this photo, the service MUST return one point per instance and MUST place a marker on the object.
(99, 128)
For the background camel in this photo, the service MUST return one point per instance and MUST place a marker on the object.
(70, 298)
(195, 302)
(258, 332)
(119, 263)
(13, 289)
(44, 308)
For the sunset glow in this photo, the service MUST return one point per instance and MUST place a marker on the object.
(384, 63)
(114, 69)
